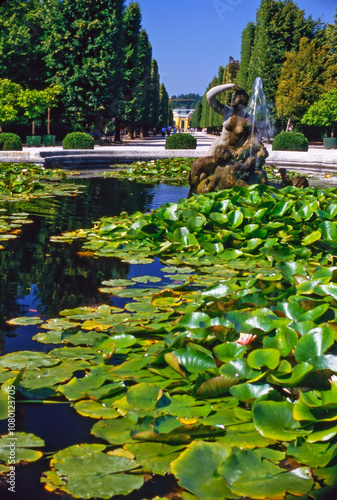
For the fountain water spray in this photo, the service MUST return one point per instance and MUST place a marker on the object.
(258, 110)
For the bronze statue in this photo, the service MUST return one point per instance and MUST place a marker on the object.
(236, 157)
(236, 121)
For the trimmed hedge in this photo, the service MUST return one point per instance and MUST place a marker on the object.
(181, 141)
(290, 141)
(10, 142)
(78, 140)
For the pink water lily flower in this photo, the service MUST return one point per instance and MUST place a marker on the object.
(245, 338)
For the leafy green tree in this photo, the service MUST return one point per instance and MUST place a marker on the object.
(280, 25)
(188, 101)
(34, 103)
(305, 74)
(21, 49)
(143, 114)
(51, 97)
(131, 89)
(9, 97)
(204, 120)
(247, 43)
(331, 39)
(84, 46)
(196, 117)
(164, 117)
(154, 94)
(323, 113)
(230, 75)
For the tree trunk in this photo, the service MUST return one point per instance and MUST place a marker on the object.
(144, 131)
(288, 124)
(117, 131)
(33, 127)
(131, 131)
(48, 122)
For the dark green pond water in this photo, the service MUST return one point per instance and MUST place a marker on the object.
(39, 277)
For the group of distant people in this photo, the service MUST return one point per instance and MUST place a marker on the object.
(168, 130)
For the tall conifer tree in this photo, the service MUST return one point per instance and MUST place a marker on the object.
(331, 39)
(143, 117)
(280, 25)
(204, 120)
(163, 119)
(131, 88)
(196, 117)
(247, 43)
(305, 76)
(84, 46)
(21, 51)
(154, 94)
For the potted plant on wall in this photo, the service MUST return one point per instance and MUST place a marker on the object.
(323, 113)
(34, 105)
(51, 99)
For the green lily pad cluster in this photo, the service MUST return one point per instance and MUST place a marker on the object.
(172, 170)
(25, 180)
(10, 225)
(223, 373)
(252, 223)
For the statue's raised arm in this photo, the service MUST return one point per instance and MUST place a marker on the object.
(213, 92)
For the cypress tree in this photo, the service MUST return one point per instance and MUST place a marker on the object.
(196, 117)
(84, 46)
(143, 118)
(204, 121)
(163, 118)
(247, 43)
(21, 50)
(230, 75)
(131, 88)
(305, 76)
(154, 95)
(331, 39)
(280, 25)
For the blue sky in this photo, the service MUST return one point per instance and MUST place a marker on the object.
(192, 38)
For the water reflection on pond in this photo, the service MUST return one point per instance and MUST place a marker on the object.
(39, 277)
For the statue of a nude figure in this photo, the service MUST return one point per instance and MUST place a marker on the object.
(236, 121)
(235, 139)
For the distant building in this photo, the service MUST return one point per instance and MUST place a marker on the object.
(182, 118)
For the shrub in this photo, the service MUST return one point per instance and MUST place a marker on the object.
(181, 141)
(10, 142)
(78, 140)
(290, 141)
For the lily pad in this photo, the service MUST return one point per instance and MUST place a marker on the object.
(86, 471)
(275, 420)
(17, 447)
(192, 474)
(248, 475)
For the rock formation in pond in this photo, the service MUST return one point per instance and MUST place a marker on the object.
(236, 157)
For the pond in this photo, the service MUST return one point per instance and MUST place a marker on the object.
(176, 366)
(42, 278)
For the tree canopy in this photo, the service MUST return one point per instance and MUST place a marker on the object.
(280, 24)
(305, 75)
(323, 112)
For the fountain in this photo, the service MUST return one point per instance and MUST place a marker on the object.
(258, 110)
(236, 157)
